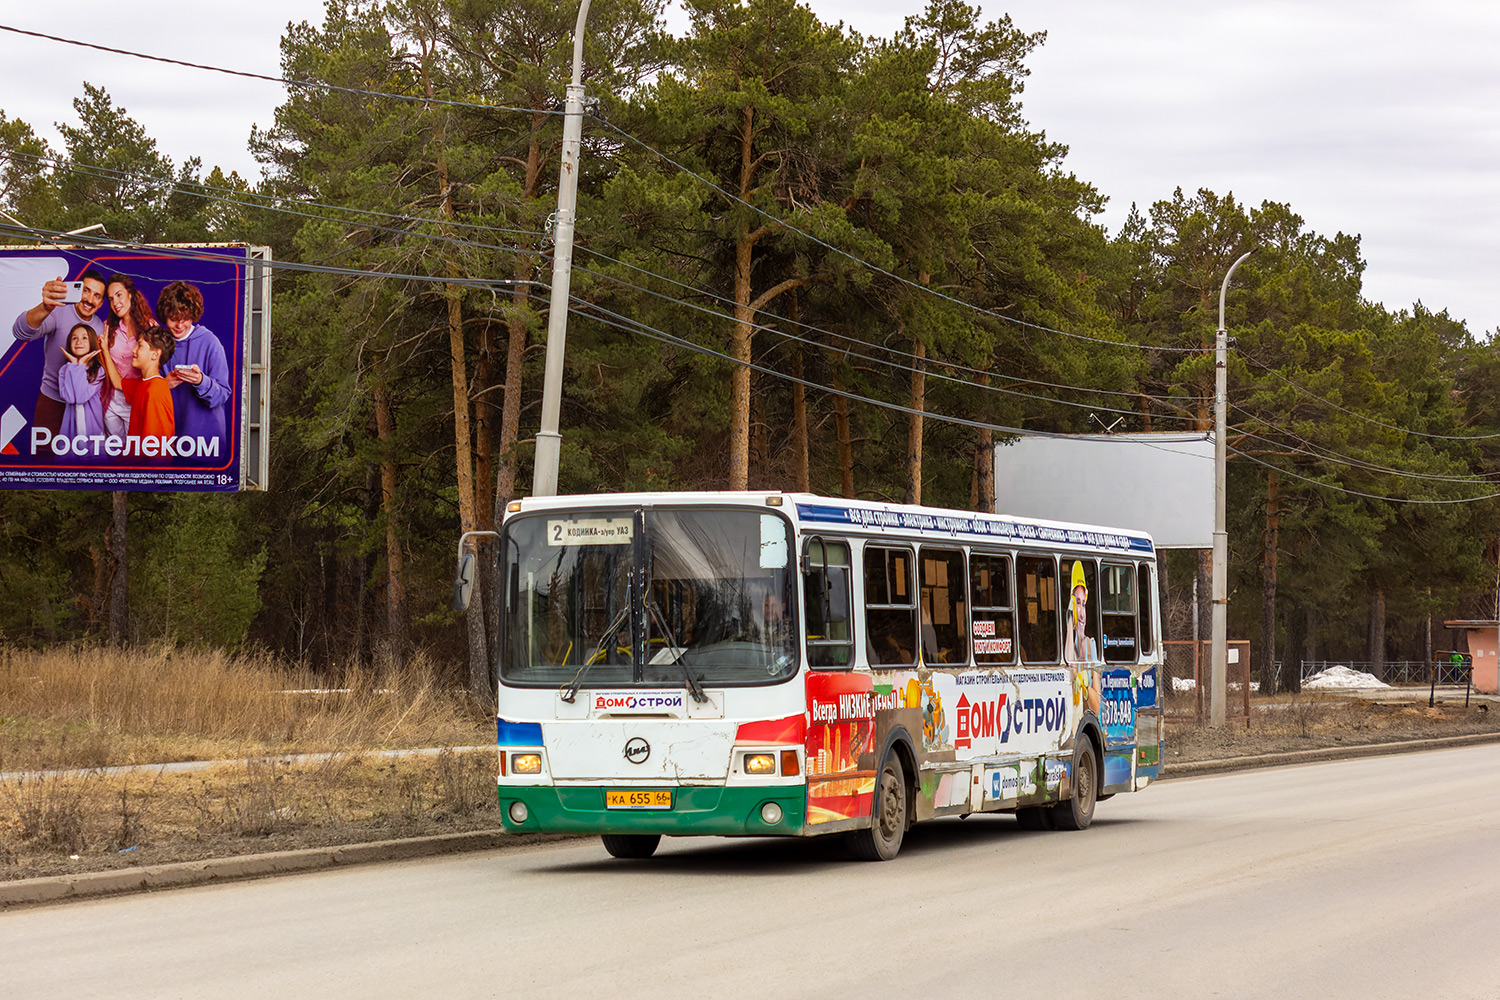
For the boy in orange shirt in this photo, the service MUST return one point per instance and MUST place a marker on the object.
(150, 397)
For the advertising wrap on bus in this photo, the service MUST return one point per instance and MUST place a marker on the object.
(754, 664)
(123, 368)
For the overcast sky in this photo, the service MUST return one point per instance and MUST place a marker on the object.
(1377, 117)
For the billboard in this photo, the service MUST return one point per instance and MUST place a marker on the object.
(1159, 483)
(134, 367)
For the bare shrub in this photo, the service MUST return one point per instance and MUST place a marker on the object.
(50, 810)
(465, 782)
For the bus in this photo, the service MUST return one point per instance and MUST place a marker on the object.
(783, 664)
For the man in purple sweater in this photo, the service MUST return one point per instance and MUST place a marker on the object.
(50, 320)
(198, 373)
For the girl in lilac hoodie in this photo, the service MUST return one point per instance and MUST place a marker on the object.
(79, 381)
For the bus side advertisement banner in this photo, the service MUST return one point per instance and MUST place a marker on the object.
(63, 426)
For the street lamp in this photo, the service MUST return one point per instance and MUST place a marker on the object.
(548, 439)
(1219, 676)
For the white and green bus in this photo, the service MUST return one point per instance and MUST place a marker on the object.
(760, 664)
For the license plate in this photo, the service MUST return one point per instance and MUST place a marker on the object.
(638, 798)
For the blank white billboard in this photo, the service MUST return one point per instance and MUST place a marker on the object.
(1160, 483)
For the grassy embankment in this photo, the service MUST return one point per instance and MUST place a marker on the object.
(85, 710)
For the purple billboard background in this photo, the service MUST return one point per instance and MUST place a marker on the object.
(209, 465)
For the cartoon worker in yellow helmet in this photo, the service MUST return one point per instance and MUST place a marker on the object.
(1078, 647)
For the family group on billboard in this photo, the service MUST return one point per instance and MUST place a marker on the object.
(114, 370)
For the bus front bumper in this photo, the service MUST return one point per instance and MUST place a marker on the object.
(697, 810)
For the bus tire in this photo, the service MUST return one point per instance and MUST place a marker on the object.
(882, 840)
(1078, 812)
(631, 845)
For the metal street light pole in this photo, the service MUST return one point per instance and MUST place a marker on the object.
(548, 439)
(1219, 677)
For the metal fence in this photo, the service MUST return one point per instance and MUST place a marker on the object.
(1398, 671)
(1185, 688)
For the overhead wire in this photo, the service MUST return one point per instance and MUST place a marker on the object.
(283, 80)
(928, 289)
(1349, 461)
(952, 365)
(1360, 416)
(440, 102)
(1359, 493)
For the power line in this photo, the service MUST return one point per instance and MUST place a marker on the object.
(110, 173)
(1357, 493)
(94, 243)
(1360, 416)
(866, 357)
(877, 268)
(1337, 458)
(284, 80)
(619, 321)
(882, 347)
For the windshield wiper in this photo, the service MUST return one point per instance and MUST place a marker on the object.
(570, 690)
(675, 648)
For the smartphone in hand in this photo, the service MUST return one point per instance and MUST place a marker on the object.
(74, 292)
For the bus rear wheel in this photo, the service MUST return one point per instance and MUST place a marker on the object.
(882, 841)
(631, 845)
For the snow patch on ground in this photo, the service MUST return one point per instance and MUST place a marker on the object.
(1342, 677)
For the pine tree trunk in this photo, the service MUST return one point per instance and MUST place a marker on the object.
(914, 427)
(507, 469)
(744, 316)
(985, 460)
(1377, 633)
(846, 445)
(395, 584)
(1268, 680)
(119, 584)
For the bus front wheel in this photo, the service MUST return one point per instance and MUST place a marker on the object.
(882, 841)
(631, 845)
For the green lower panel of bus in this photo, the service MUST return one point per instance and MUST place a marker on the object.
(696, 809)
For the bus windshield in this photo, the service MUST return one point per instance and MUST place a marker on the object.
(644, 596)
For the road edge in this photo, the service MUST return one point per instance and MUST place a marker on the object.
(1198, 768)
(183, 874)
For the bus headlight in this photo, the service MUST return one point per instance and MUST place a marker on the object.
(518, 812)
(525, 763)
(760, 763)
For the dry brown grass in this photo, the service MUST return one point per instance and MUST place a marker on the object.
(95, 706)
(94, 820)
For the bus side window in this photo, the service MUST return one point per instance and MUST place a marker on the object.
(1117, 602)
(994, 626)
(1037, 577)
(1147, 596)
(890, 607)
(830, 641)
(944, 617)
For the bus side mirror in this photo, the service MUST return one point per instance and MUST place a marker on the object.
(463, 584)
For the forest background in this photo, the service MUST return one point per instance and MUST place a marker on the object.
(805, 260)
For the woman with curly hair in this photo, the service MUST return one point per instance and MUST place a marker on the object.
(129, 314)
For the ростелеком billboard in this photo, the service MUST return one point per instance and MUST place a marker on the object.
(170, 408)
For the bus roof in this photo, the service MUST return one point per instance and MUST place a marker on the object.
(811, 511)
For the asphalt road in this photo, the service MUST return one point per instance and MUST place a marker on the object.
(1368, 878)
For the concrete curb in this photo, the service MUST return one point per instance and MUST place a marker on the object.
(92, 885)
(88, 885)
(1190, 769)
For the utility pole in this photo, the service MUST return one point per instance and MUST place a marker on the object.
(548, 438)
(1219, 676)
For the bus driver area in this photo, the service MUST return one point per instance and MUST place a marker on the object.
(778, 664)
